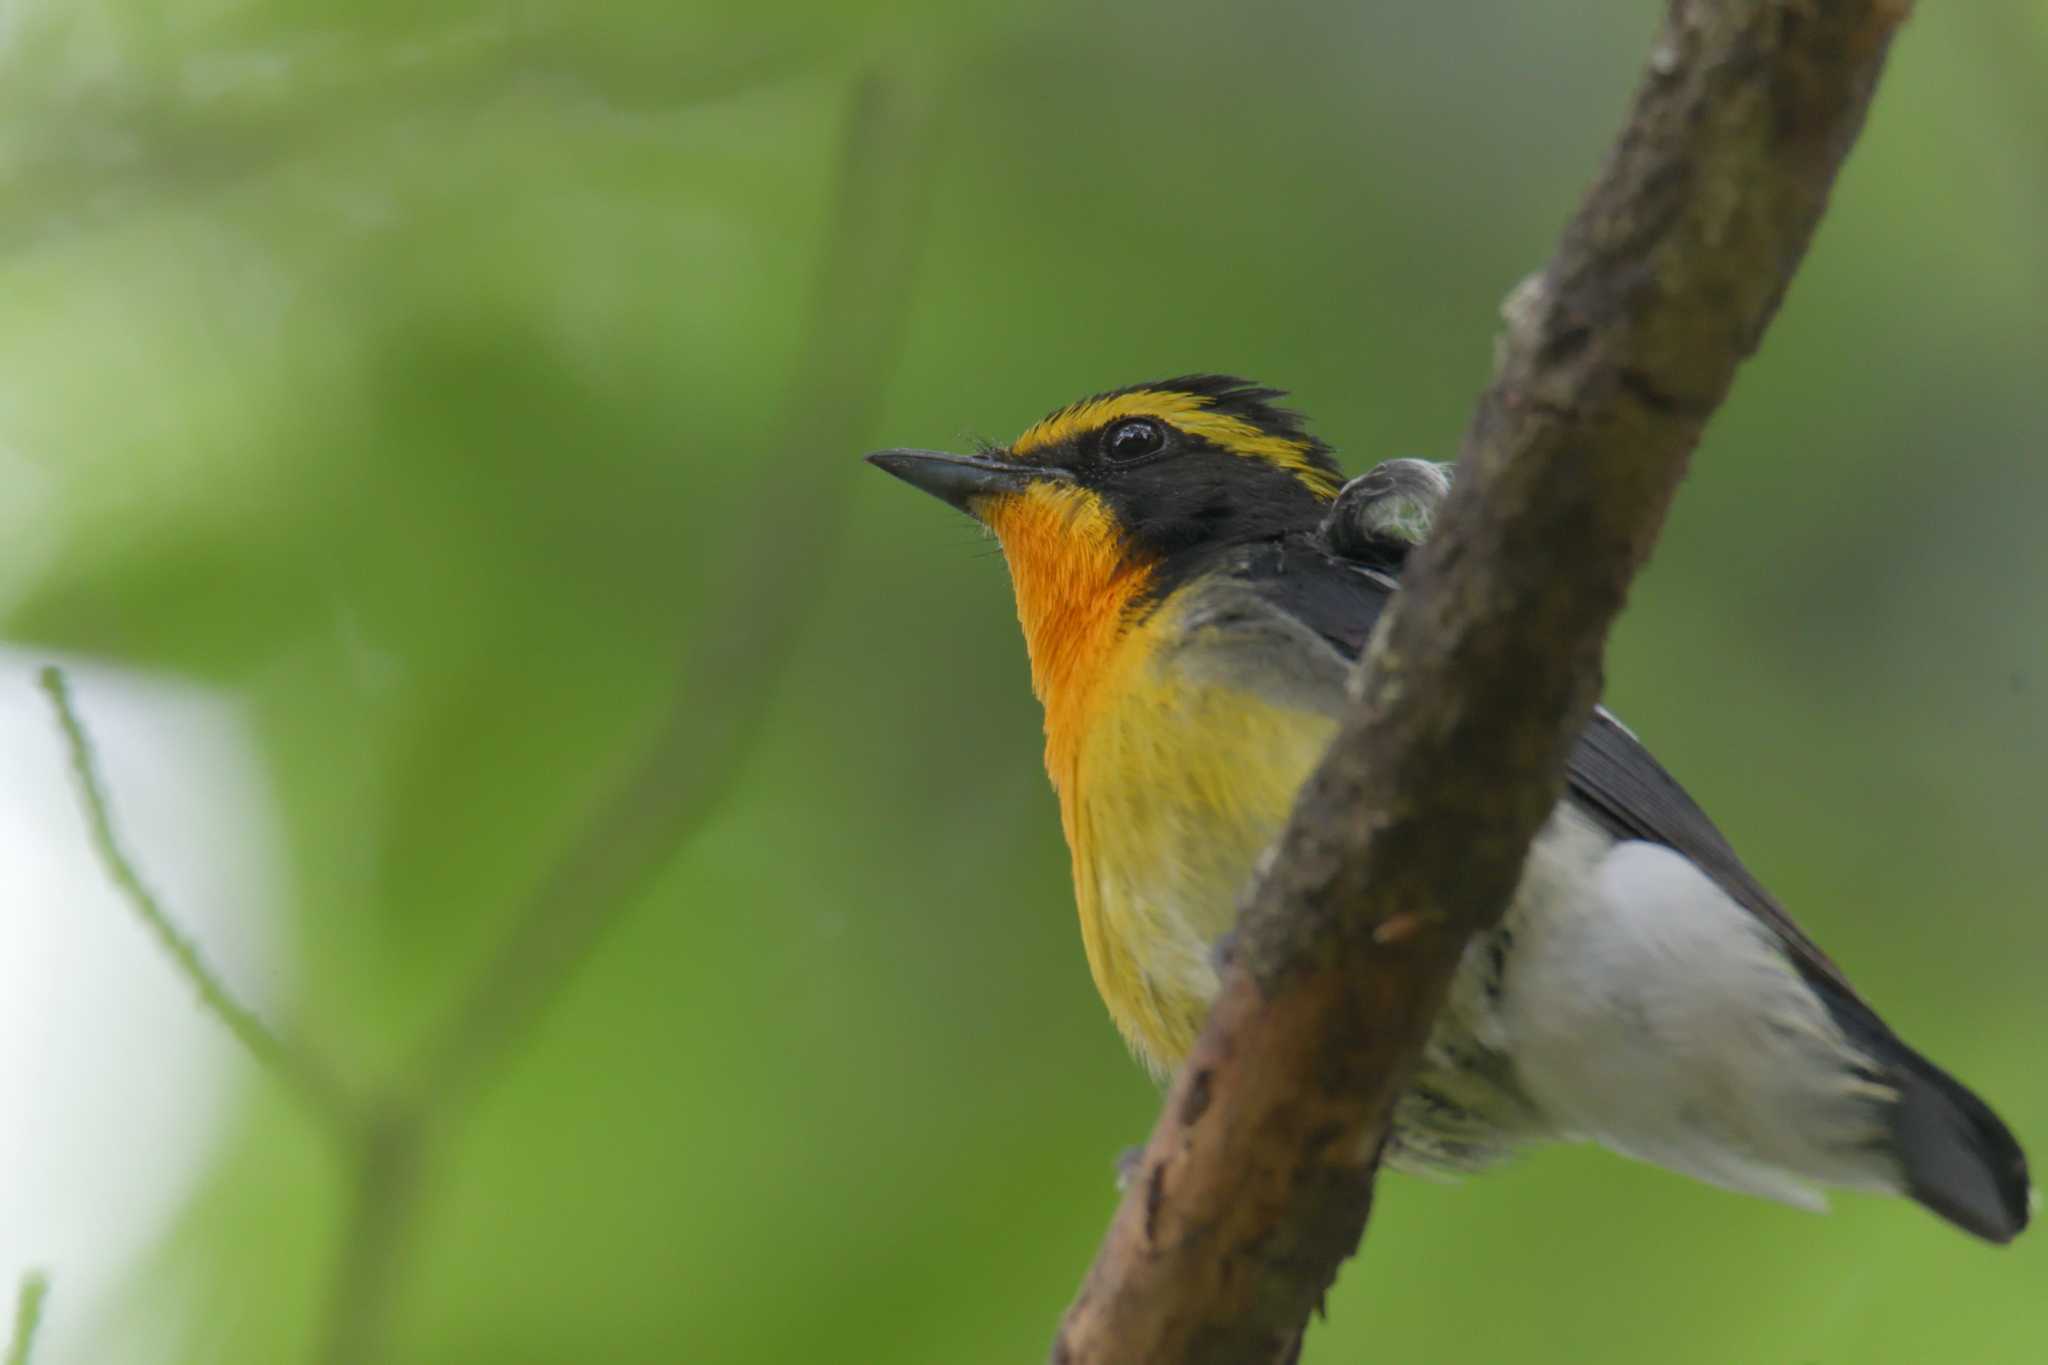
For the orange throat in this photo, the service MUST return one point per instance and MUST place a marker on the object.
(1075, 582)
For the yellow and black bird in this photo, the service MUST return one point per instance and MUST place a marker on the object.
(1192, 593)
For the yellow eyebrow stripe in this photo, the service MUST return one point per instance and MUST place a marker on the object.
(1189, 412)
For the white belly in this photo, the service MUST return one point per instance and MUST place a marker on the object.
(1652, 1013)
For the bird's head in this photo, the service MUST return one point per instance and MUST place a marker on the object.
(1140, 477)
(1106, 503)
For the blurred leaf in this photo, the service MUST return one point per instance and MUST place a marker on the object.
(422, 374)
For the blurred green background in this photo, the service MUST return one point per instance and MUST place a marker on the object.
(475, 393)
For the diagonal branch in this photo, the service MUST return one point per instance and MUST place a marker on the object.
(858, 317)
(1411, 834)
(288, 1059)
(28, 1315)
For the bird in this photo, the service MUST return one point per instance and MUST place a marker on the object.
(1195, 580)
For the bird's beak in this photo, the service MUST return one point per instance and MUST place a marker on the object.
(961, 480)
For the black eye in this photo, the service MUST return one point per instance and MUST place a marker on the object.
(1133, 440)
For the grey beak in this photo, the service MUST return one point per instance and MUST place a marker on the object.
(959, 479)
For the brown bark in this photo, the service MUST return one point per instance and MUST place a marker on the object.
(1410, 836)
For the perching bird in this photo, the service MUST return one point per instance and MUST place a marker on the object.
(1192, 595)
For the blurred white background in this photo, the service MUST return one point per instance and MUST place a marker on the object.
(113, 1076)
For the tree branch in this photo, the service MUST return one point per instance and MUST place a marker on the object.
(858, 316)
(288, 1059)
(859, 312)
(28, 1315)
(1410, 836)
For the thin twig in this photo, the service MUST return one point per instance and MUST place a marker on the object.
(28, 1315)
(858, 318)
(286, 1059)
(383, 1197)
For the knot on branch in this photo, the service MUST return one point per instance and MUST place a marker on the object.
(1384, 513)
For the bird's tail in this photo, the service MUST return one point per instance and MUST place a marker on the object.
(1956, 1158)
(1959, 1160)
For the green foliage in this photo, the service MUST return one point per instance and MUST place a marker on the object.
(437, 379)
(28, 1313)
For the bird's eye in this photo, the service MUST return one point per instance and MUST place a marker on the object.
(1133, 440)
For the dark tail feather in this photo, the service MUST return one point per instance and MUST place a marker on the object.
(1960, 1160)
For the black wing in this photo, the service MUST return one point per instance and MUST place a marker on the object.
(1611, 775)
(1615, 779)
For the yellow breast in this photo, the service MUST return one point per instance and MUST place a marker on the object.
(1180, 784)
(1172, 790)
(1170, 784)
